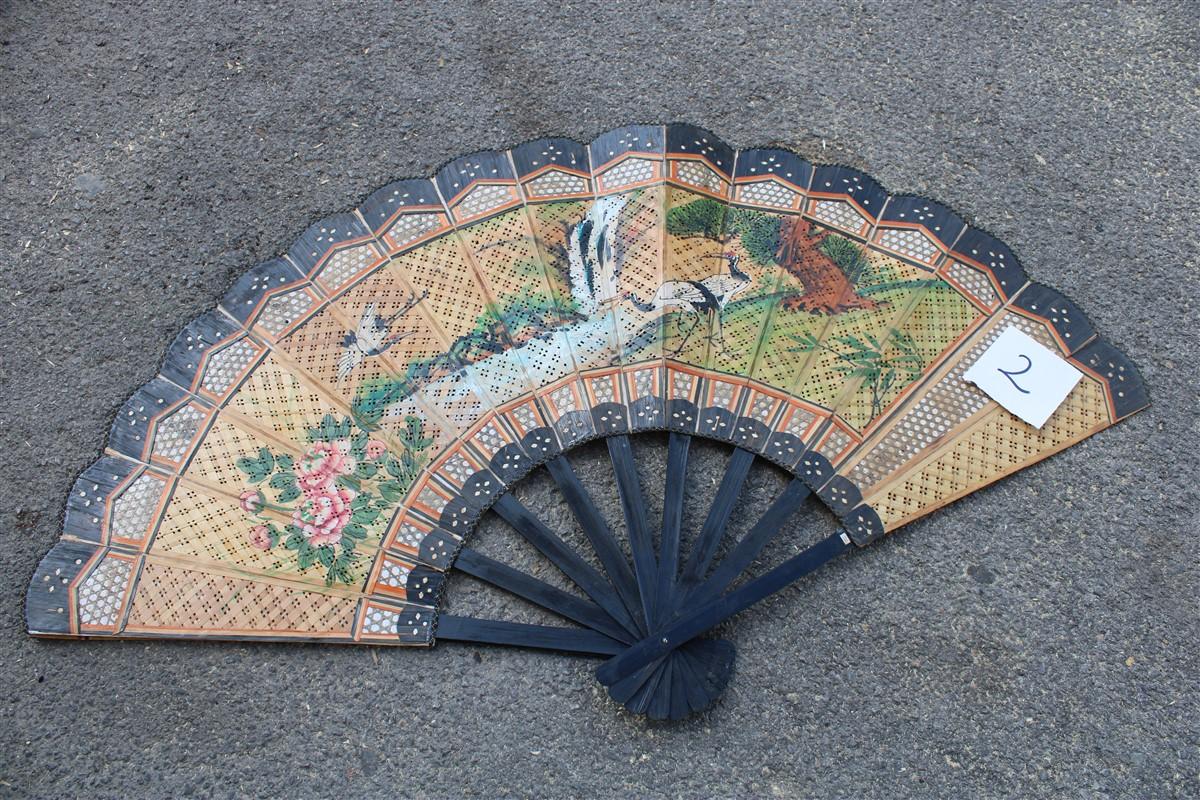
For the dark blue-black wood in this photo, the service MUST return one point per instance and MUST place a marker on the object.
(709, 538)
(562, 556)
(692, 624)
(594, 526)
(519, 634)
(641, 545)
(539, 592)
(668, 546)
(746, 550)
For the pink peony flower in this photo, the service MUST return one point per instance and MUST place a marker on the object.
(322, 464)
(251, 501)
(376, 449)
(260, 537)
(323, 514)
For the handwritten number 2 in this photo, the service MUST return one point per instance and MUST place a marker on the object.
(1009, 375)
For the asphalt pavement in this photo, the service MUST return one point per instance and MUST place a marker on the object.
(1037, 639)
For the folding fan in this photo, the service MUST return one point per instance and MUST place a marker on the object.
(312, 459)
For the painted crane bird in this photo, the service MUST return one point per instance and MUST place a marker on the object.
(272, 484)
(703, 298)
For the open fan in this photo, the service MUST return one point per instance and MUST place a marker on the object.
(316, 451)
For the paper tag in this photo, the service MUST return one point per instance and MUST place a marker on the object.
(1025, 377)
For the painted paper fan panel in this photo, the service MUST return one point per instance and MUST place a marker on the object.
(317, 450)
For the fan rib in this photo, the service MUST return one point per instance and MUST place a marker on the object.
(678, 446)
(689, 626)
(539, 592)
(748, 549)
(705, 547)
(629, 487)
(585, 576)
(520, 634)
(599, 534)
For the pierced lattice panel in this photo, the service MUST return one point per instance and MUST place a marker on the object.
(507, 254)
(939, 319)
(554, 183)
(639, 248)
(767, 193)
(170, 598)
(100, 596)
(974, 282)
(134, 509)
(215, 460)
(275, 398)
(226, 365)
(999, 443)
(909, 242)
(628, 172)
(346, 264)
(894, 287)
(947, 403)
(441, 268)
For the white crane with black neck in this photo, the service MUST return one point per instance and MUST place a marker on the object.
(703, 298)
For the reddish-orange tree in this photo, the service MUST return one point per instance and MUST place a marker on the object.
(827, 290)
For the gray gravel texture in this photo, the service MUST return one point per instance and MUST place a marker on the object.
(1038, 639)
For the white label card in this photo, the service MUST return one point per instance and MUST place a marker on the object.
(1024, 376)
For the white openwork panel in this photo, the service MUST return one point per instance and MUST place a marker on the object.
(410, 227)
(698, 174)
(555, 183)
(722, 394)
(564, 399)
(381, 621)
(133, 510)
(629, 171)
(282, 310)
(484, 198)
(603, 390)
(767, 193)
(643, 383)
(173, 434)
(489, 438)
(799, 422)
(525, 418)
(431, 499)
(410, 535)
(225, 365)
(761, 408)
(839, 214)
(346, 263)
(974, 282)
(458, 469)
(681, 386)
(911, 243)
(101, 594)
(394, 573)
(834, 443)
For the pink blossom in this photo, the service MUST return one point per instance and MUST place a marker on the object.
(251, 501)
(376, 449)
(323, 514)
(260, 537)
(322, 464)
